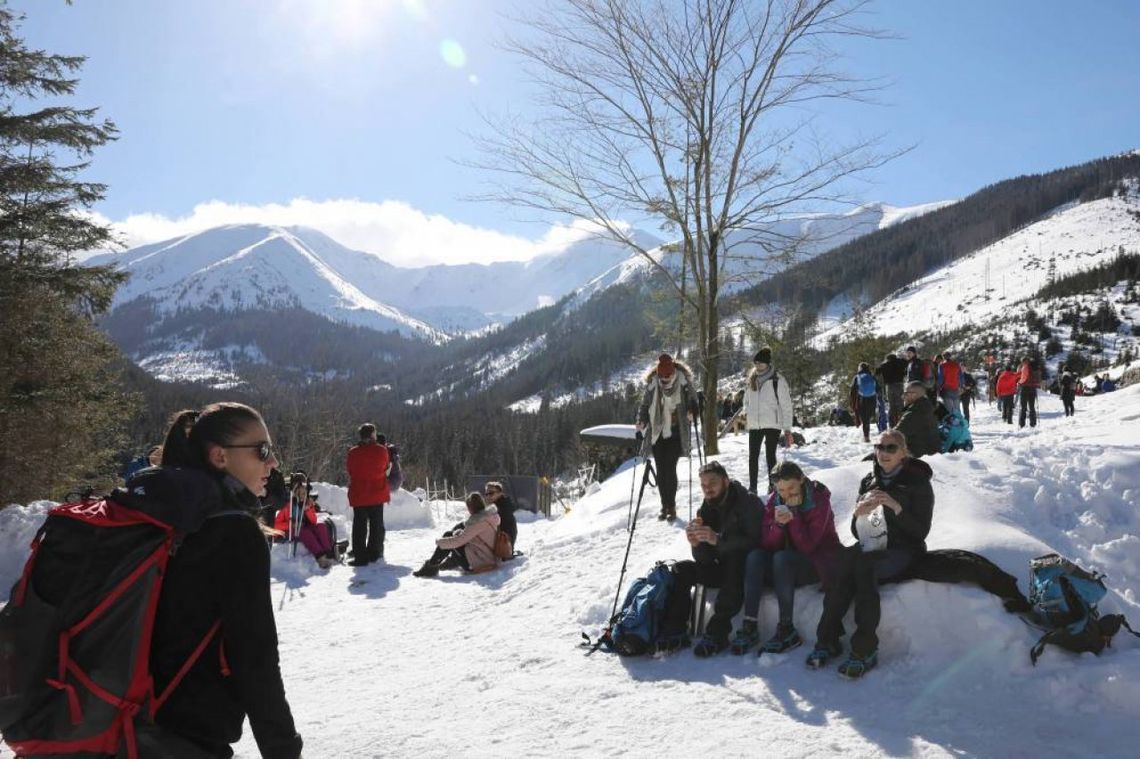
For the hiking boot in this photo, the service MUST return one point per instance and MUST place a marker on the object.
(671, 515)
(857, 666)
(709, 646)
(359, 563)
(668, 644)
(745, 638)
(324, 562)
(427, 570)
(823, 653)
(662, 516)
(785, 639)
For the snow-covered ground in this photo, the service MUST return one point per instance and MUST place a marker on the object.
(379, 663)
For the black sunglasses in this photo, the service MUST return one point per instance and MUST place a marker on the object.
(263, 449)
(887, 447)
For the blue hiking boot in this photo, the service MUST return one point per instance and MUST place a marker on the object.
(785, 639)
(745, 638)
(709, 646)
(857, 666)
(823, 653)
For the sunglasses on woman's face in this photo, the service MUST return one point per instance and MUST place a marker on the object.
(887, 447)
(262, 450)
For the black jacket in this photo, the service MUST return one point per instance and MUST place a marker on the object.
(911, 488)
(221, 572)
(507, 523)
(920, 426)
(893, 370)
(736, 519)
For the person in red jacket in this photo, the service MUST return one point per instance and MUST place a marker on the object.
(798, 546)
(1028, 380)
(313, 533)
(367, 466)
(1006, 388)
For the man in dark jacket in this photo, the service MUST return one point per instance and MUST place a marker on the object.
(918, 423)
(891, 521)
(892, 372)
(493, 494)
(726, 528)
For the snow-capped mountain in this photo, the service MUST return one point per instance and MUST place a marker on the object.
(985, 285)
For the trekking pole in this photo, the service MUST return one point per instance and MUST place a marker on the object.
(646, 477)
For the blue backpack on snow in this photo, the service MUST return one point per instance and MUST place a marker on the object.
(634, 630)
(1063, 599)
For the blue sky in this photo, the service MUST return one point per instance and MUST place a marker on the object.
(233, 109)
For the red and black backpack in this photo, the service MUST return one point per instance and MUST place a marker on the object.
(75, 636)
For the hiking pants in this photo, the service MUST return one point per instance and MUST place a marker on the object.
(784, 570)
(368, 532)
(666, 454)
(951, 399)
(726, 573)
(857, 579)
(1028, 403)
(1005, 403)
(894, 401)
(868, 413)
(768, 438)
(966, 399)
(315, 538)
(1067, 400)
(441, 554)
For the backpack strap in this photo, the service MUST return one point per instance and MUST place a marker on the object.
(196, 654)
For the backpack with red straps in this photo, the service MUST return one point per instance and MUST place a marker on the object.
(75, 636)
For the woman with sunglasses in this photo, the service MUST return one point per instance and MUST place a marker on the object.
(220, 464)
(891, 521)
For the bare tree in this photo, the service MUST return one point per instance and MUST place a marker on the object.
(693, 114)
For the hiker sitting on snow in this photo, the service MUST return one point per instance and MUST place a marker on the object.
(314, 533)
(798, 546)
(469, 546)
(494, 495)
(726, 528)
(891, 521)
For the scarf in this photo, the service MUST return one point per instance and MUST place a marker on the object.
(665, 403)
(759, 378)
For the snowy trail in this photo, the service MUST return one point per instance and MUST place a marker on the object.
(380, 663)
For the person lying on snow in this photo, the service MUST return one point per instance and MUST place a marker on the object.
(891, 521)
(470, 545)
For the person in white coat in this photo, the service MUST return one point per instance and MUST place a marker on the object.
(768, 407)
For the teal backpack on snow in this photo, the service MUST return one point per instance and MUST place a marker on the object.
(1063, 599)
(634, 630)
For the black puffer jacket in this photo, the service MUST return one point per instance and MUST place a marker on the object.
(221, 572)
(736, 519)
(920, 427)
(911, 488)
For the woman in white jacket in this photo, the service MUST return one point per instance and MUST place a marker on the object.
(768, 407)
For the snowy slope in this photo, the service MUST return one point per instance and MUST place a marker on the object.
(1073, 237)
(379, 663)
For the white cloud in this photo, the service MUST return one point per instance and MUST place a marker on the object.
(392, 230)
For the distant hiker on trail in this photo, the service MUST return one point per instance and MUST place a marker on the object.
(920, 369)
(918, 423)
(314, 533)
(221, 573)
(865, 398)
(969, 391)
(470, 545)
(798, 546)
(1005, 387)
(668, 403)
(1068, 382)
(494, 495)
(891, 521)
(950, 382)
(1106, 384)
(726, 528)
(768, 406)
(1028, 380)
(892, 373)
(367, 465)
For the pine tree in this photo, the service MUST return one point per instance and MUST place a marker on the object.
(60, 410)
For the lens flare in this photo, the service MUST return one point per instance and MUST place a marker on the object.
(452, 54)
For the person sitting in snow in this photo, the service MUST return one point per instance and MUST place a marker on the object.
(726, 528)
(314, 532)
(469, 546)
(891, 521)
(667, 404)
(494, 495)
(918, 423)
(798, 546)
